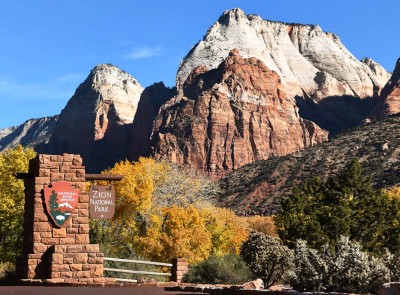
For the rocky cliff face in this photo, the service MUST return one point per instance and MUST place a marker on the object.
(152, 98)
(32, 133)
(230, 116)
(389, 102)
(310, 62)
(95, 121)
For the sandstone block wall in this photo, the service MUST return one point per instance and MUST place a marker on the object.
(51, 253)
(180, 267)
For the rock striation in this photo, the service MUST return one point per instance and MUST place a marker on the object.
(32, 133)
(389, 102)
(95, 122)
(230, 116)
(310, 62)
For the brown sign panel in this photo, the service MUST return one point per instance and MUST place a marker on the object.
(102, 202)
(61, 200)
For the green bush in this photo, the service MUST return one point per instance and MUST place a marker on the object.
(227, 269)
(7, 273)
(346, 268)
(309, 269)
(267, 258)
(392, 262)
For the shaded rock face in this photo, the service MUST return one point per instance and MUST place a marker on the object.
(152, 98)
(336, 113)
(310, 62)
(230, 116)
(33, 133)
(389, 102)
(96, 121)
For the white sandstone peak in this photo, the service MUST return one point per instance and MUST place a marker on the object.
(117, 87)
(307, 59)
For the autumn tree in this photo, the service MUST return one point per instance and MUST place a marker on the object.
(227, 230)
(150, 198)
(178, 232)
(263, 224)
(12, 200)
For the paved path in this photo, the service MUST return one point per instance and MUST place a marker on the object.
(25, 290)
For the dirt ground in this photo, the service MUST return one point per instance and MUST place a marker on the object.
(36, 290)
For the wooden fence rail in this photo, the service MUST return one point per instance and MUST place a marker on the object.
(136, 271)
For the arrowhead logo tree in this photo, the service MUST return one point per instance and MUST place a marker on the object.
(61, 200)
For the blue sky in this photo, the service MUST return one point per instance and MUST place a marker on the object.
(48, 47)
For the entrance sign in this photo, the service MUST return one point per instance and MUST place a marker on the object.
(61, 200)
(102, 202)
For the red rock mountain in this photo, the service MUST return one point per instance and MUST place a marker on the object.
(389, 102)
(227, 117)
(96, 121)
(151, 99)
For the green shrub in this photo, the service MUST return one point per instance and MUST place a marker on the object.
(267, 258)
(309, 269)
(346, 268)
(227, 269)
(7, 273)
(392, 262)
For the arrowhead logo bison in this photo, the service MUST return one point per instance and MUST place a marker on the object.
(61, 200)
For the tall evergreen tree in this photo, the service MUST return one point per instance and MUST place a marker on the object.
(344, 205)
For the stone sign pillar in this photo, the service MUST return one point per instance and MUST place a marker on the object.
(50, 252)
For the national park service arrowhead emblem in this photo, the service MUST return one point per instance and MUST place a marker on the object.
(61, 200)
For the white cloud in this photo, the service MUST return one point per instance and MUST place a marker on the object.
(36, 91)
(70, 78)
(145, 52)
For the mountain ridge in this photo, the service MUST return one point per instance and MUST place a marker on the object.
(117, 119)
(257, 188)
(294, 62)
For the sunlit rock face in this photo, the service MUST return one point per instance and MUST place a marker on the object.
(309, 61)
(95, 121)
(32, 133)
(230, 116)
(389, 102)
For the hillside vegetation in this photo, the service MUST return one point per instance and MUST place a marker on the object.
(257, 188)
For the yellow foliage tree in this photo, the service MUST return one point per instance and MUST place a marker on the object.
(164, 212)
(264, 224)
(393, 193)
(228, 231)
(179, 232)
(135, 190)
(12, 200)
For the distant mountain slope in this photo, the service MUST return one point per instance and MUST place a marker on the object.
(32, 133)
(258, 187)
